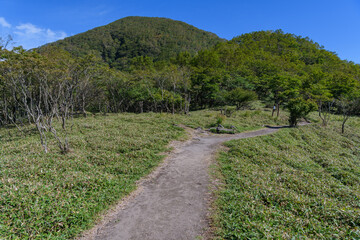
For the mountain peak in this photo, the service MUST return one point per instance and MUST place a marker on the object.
(129, 37)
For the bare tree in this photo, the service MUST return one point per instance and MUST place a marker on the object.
(31, 94)
(324, 109)
(5, 42)
(44, 90)
(348, 107)
(60, 106)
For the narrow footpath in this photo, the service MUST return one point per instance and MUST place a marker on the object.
(172, 203)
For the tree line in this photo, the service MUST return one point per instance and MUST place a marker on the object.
(42, 86)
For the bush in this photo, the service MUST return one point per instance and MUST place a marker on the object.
(220, 119)
(240, 97)
(299, 108)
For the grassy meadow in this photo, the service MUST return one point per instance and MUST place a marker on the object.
(56, 196)
(301, 183)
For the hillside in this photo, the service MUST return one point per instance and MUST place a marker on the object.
(296, 184)
(56, 196)
(278, 66)
(124, 39)
(300, 182)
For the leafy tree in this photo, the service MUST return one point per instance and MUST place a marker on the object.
(324, 100)
(348, 106)
(299, 108)
(240, 97)
(169, 66)
(119, 42)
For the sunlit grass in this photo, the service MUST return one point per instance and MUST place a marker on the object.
(57, 196)
(299, 183)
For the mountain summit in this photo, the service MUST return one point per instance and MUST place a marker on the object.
(124, 39)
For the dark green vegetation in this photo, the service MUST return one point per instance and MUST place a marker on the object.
(119, 42)
(299, 183)
(278, 68)
(282, 69)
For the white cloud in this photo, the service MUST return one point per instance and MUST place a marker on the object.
(28, 28)
(4, 23)
(30, 36)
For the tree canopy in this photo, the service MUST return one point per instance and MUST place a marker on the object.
(160, 65)
(119, 42)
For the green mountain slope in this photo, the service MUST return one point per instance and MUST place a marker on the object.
(122, 40)
(278, 66)
(299, 183)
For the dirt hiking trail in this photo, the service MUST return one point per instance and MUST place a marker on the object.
(173, 202)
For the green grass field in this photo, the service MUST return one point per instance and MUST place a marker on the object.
(299, 183)
(56, 196)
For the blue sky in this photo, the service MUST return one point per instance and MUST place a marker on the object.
(333, 24)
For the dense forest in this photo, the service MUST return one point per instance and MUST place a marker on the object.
(118, 42)
(160, 65)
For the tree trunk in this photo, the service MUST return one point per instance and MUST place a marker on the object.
(187, 104)
(5, 109)
(42, 137)
(173, 103)
(141, 103)
(83, 106)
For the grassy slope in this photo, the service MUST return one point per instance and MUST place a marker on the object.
(243, 120)
(298, 183)
(54, 195)
(57, 196)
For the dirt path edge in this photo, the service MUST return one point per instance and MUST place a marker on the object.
(176, 146)
(108, 215)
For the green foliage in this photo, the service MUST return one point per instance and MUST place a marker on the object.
(299, 108)
(168, 66)
(299, 183)
(243, 120)
(282, 66)
(171, 60)
(119, 42)
(240, 97)
(220, 119)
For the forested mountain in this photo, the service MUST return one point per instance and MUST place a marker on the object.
(278, 66)
(124, 39)
(151, 65)
(161, 65)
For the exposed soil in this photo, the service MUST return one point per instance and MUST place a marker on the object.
(172, 202)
